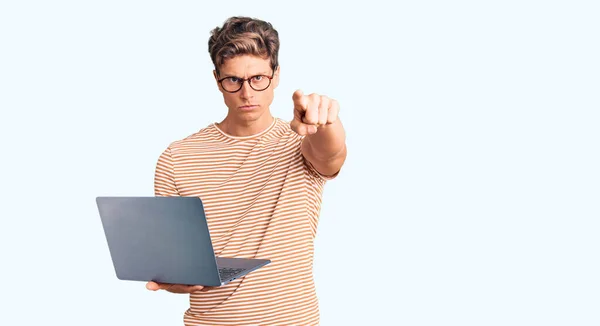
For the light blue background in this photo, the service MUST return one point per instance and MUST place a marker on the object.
(471, 191)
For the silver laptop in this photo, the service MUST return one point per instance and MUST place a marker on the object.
(166, 240)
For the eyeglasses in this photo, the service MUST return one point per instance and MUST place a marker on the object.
(258, 83)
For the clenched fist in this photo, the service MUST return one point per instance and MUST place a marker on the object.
(312, 111)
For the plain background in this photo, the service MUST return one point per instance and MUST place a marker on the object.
(471, 191)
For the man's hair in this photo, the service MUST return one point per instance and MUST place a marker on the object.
(243, 35)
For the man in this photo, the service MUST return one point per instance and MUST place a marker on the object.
(261, 181)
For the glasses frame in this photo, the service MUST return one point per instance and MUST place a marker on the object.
(247, 80)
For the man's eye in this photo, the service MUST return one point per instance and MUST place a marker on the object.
(257, 78)
(233, 80)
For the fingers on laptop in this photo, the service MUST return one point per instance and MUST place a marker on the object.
(175, 288)
(152, 286)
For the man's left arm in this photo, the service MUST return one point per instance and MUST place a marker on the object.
(324, 144)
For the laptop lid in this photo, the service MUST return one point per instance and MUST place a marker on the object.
(162, 239)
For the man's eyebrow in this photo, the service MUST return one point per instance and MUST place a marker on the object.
(261, 73)
(225, 75)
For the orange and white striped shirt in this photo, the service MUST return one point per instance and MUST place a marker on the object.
(262, 200)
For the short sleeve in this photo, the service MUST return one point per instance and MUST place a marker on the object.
(164, 176)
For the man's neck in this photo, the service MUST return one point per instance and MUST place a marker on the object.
(241, 128)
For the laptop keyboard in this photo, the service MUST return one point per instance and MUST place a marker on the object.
(226, 273)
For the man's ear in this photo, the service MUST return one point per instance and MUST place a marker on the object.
(217, 79)
(276, 77)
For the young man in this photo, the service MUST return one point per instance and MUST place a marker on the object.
(261, 181)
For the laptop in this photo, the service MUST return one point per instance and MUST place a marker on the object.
(166, 240)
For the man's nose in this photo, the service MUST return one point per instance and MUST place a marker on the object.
(246, 90)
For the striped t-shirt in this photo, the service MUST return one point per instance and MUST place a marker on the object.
(262, 200)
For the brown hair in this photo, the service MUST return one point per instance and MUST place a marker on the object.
(243, 35)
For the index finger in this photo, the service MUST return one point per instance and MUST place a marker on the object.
(300, 101)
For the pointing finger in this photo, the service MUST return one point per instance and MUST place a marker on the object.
(300, 101)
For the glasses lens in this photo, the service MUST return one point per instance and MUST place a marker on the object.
(231, 84)
(260, 83)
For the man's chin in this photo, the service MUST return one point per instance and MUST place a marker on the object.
(249, 116)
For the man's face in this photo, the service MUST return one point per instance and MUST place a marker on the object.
(247, 104)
